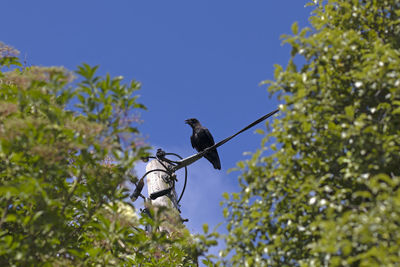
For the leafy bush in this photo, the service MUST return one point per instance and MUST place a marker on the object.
(329, 193)
(66, 148)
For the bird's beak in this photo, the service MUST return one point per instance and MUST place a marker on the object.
(187, 121)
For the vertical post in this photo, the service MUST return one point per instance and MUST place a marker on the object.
(157, 181)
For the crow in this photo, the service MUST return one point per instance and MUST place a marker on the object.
(201, 139)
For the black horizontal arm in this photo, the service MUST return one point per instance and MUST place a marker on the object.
(189, 160)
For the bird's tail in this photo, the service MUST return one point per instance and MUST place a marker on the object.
(213, 157)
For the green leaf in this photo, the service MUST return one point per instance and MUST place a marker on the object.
(225, 195)
(205, 228)
(295, 28)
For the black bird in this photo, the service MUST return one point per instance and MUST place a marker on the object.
(201, 139)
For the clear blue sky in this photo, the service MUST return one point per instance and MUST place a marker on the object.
(200, 59)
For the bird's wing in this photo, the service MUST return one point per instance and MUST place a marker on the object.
(212, 156)
(209, 137)
(202, 139)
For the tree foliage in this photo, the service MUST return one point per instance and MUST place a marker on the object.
(329, 193)
(65, 150)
